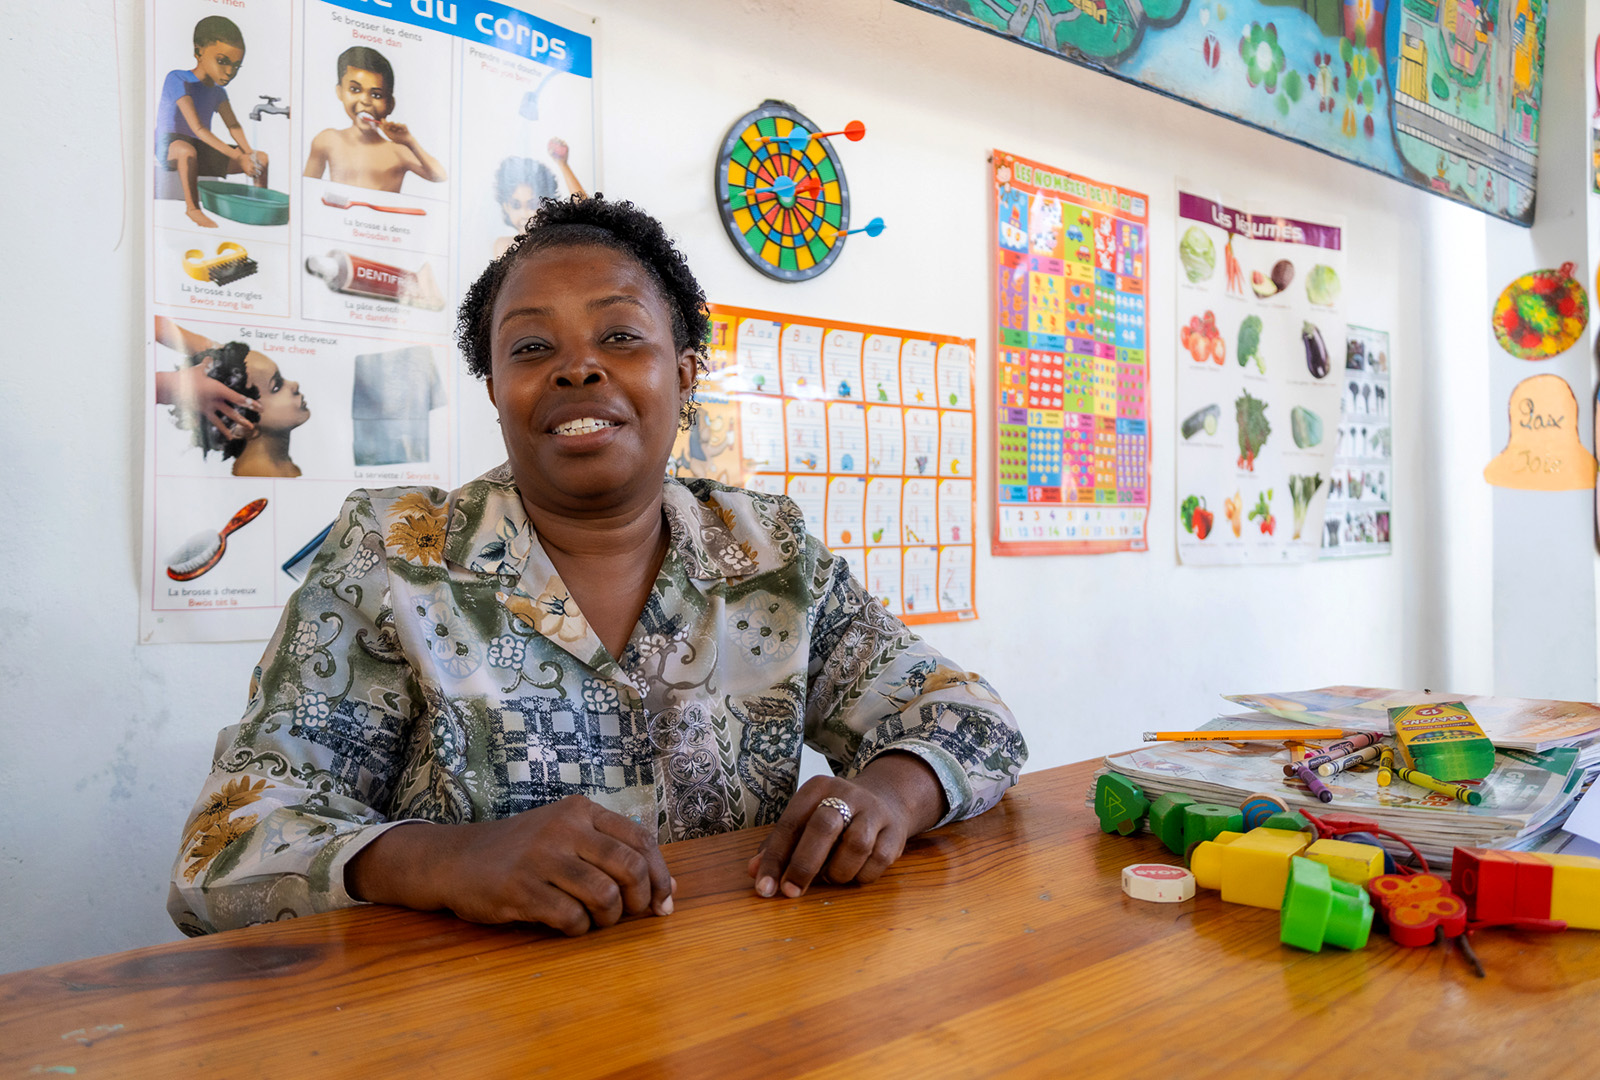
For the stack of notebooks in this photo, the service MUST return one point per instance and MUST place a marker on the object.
(1545, 752)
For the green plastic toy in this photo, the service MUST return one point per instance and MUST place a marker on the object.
(1319, 910)
(1119, 804)
(1167, 816)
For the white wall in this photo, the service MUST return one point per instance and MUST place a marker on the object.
(1544, 542)
(106, 742)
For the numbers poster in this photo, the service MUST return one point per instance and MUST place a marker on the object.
(1360, 491)
(327, 178)
(1072, 379)
(868, 429)
(1260, 324)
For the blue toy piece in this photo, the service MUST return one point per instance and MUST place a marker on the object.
(874, 227)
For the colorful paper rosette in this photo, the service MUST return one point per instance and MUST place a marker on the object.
(1541, 314)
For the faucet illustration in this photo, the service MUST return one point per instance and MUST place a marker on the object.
(270, 106)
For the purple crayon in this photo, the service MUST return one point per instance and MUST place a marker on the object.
(1311, 780)
(1339, 749)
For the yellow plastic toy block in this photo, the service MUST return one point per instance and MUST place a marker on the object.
(1252, 868)
(1346, 861)
(1575, 891)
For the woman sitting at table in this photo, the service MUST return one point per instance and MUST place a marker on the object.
(574, 658)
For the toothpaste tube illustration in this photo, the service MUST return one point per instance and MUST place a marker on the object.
(356, 276)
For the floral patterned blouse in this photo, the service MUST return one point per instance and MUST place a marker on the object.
(434, 667)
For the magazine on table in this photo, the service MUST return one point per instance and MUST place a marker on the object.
(1523, 794)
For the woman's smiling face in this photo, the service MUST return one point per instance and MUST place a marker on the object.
(280, 402)
(586, 378)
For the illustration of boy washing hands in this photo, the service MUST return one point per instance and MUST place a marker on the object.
(189, 99)
(374, 151)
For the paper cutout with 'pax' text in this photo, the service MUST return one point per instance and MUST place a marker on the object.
(1544, 452)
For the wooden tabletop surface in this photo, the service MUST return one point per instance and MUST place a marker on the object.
(1000, 946)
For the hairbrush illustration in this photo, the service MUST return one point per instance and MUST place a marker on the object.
(344, 202)
(204, 550)
(230, 263)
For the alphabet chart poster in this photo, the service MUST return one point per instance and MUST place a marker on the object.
(869, 430)
(327, 177)
(1072, 438)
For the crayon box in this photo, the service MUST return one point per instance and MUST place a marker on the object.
(1443, 741)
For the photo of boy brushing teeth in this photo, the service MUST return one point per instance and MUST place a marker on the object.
(374, 151)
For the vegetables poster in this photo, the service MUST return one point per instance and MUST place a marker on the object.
(1261, 329)
(327, 178)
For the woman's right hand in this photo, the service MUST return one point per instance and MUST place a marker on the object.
(572, 865)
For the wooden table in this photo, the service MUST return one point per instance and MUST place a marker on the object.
(1001, 946)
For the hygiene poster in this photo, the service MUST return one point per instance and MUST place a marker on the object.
(326, 179)
(868, 429)
(1072, 376)
(1261, 338)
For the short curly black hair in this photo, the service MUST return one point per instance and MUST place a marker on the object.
(584, 222)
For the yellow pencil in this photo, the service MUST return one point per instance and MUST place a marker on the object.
(1243, 736)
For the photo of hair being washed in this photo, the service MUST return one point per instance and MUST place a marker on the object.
(232, 399)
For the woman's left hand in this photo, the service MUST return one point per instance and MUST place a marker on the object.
(892, 799)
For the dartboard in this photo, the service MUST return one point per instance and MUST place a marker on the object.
(785, 205)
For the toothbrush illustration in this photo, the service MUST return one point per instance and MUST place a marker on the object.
(345, 202)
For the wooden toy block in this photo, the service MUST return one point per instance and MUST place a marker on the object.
(1291, 820)
(1119, 804)
(1506, 885)
(1249, 869)
(1204, 821)
(1319, 910)
(1166, 820)
(1348, 861)
(1258, 808)
(1575, 895)
(1487, 881)
(1416, 907)
(1158, 883)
